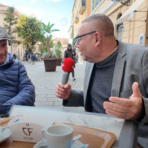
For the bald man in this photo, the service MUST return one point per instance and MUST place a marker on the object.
(116, 73)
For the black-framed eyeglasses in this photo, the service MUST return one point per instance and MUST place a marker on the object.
(78, 37)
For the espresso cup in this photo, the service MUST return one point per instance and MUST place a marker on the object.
(57, 136)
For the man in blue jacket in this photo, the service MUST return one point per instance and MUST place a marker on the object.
(15, 86)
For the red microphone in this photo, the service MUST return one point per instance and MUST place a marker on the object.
(67, 68)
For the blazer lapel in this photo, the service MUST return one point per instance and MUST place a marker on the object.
(87, 78)
(119, 68)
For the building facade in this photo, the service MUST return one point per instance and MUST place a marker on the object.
(130, 18)
(81, 10)
(64, 42)
(17, 49)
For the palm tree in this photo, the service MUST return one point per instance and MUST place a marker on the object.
(47, 30)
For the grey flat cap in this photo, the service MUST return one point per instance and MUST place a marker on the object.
(4, 35)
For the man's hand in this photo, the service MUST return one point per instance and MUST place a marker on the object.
(63, 91)
(129, 109)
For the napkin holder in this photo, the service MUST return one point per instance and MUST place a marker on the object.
(26, 132)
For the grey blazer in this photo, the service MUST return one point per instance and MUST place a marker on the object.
(131, 66)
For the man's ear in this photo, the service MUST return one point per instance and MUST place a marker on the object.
(98, 38)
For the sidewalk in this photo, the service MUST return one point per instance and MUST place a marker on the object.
(46, 82)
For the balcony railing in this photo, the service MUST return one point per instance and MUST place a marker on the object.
(82, 6)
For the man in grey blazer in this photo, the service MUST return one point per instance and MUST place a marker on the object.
(116, 76)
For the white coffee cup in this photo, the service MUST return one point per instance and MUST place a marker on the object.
(56, 136)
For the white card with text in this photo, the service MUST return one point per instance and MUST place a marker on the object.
(26, 132)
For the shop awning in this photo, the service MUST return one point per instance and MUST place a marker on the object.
(130, 12)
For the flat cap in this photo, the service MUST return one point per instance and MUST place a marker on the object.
(4, 35)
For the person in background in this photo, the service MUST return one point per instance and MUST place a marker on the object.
(69, 54)
(14, 56)
(29, 58)
(33, 58)
(74, 55)
(15, 86)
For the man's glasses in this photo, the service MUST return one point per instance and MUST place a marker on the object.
(78, 37)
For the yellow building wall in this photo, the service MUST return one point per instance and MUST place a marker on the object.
(137, 27)
(132, 30)
(86, 13)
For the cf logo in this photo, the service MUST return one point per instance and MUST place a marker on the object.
(27, 131)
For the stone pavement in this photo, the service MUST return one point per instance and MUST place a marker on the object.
(46, 82)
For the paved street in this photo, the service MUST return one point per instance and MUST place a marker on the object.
(46, 82)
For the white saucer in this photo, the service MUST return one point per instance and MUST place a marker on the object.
(76, 144)
(41, 144)
(4, 135)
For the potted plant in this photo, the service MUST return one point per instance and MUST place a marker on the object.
(58, 52)
(49, 63)
(49, 58)
(59, 55)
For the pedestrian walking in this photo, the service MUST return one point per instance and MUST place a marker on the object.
(70, 54)
(33, 58)
(29, 58)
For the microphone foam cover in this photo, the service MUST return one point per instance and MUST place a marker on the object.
(68, 65)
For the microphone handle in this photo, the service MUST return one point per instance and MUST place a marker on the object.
(65, 78)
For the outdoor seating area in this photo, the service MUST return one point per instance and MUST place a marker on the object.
(73, 74)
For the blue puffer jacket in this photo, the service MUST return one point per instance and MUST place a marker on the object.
(15, 86)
